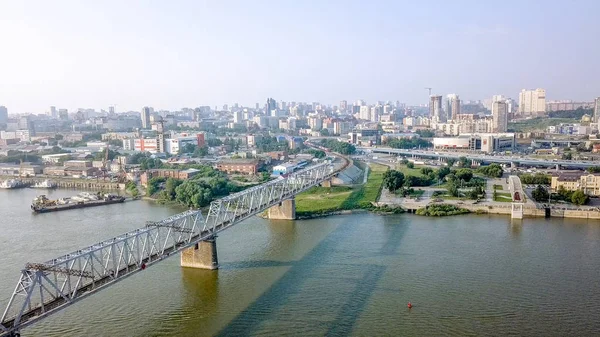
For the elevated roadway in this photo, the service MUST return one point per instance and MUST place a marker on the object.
(482, 158)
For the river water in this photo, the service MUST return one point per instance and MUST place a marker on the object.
(467, 275)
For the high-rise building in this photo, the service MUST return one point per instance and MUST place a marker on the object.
(499, 116)
(53, 112)
(365, 112)
(111, 110)
(532, 101)
(497, 98)
(238, 116)
(257, 106)
(452, 106)
(63, 114)
(596, 110)
(271, 105)
(146, 112)
(3, 114)
(343, 106)
(435, 108)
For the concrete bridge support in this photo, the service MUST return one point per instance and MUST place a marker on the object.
(286, 210)
(202, 256)
(517, 210)
(326, 183)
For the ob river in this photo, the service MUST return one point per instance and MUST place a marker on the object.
(345, 275)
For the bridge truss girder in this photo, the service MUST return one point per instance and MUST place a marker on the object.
(46, 288)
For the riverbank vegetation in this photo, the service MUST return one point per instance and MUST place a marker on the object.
(196, 192)
(321, 200)
(441, 210)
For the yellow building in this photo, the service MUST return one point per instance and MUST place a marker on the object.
(588, 183)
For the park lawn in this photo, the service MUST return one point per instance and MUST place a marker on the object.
(409, 171)
(319, 200)
(322, 199)
(503, 197)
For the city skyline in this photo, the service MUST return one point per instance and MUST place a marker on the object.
(83, 54)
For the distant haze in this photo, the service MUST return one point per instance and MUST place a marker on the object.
(173, 54)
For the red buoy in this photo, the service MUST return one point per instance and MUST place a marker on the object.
(409, 305)
(143, 266)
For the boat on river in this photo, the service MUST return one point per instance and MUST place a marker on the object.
(41, 204)
(12, 184)
(44, 184)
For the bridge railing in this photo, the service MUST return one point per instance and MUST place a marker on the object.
(45, 288)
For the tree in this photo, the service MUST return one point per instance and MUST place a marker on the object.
(115, 142)
(410, 165)
(443, 172)
(426, 171)
(425, 133)
(324, 132)
(464, 162)
(579, 198)
(200, 151)
(567, 156)
(453, 189)
(404, 161)
(170, 187)
(493, 170)
(451, 162)
(214, 142)
(340, 147)
(393, 180)
(540, 194)
(464, 174)
(594, 169)
(188, 148)
(475, 193)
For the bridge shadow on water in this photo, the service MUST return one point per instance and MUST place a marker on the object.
(334, 313)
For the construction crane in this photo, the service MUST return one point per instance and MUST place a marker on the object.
(429, 90)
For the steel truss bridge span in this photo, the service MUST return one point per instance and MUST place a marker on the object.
(46, 288)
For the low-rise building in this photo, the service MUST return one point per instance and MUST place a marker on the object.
(588, 183)
(55, 158)
(239, 166)
(167, 173)
(78, 163)
(26, 169)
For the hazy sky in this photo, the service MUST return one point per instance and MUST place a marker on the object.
(173, 54)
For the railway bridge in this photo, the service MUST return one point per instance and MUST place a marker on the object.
(48, 287)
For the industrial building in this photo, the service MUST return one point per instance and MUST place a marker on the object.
(485, 142)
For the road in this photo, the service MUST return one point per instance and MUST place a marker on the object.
(483, 158)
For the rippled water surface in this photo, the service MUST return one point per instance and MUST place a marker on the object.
(344, 275)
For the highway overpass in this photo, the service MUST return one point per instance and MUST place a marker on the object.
(484, 159)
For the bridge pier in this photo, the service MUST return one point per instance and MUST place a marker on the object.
(326, 183)
(517, 210)
(286, 210)
(202, 256)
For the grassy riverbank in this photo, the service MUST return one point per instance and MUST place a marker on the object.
(320, 200)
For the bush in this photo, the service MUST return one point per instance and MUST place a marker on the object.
(579, 198)
(441, 210)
